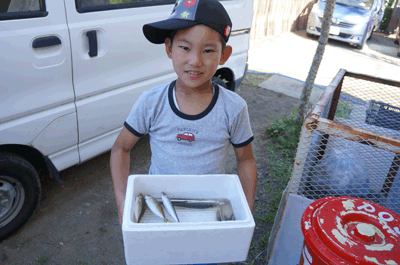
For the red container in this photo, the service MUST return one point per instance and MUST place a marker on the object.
(347, 231)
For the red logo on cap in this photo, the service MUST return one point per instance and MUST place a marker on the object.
(227, 31)
(190, 3)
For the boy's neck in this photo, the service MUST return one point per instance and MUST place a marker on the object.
(193, 101)
(204, 89)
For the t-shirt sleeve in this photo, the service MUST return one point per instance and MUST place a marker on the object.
(138, 121)
(241, 133)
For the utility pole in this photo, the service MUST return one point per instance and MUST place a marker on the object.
(312, 74)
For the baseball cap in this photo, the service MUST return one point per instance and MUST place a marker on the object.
(187, 13)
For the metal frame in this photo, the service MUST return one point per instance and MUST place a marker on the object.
(314, 121)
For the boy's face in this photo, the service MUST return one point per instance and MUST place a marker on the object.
(196, 53)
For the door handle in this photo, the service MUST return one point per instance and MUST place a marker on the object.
(92, 36)
(46, 42)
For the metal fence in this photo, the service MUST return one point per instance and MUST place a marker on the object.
(350, 142)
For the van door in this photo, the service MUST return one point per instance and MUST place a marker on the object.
(113, 63)
(37, 99)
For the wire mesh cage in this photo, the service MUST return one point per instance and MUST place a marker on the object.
(350, 142)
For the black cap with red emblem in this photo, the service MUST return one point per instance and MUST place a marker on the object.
(187, 13)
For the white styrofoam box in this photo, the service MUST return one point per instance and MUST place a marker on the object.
(187, 242)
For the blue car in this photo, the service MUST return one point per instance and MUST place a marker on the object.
(353, 20)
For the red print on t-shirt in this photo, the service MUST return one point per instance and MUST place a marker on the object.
(185, 136)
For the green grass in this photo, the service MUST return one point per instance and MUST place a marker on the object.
(43, 259)
(284, 136)
(255, 79)
(343, 110)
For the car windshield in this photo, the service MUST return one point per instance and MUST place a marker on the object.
(362, 4)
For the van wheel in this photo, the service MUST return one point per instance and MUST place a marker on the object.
(218, 81)
(19, 193)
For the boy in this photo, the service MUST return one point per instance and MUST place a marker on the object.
(191, 121)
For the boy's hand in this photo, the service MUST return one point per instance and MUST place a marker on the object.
(247, 171)
(121, 212)
(119, 164)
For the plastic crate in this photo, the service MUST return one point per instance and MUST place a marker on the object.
(383, 115)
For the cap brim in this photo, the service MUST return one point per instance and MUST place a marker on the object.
(157, 32)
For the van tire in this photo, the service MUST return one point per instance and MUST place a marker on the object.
(216, 80)
(19, 183)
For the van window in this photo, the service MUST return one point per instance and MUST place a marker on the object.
(98, 5)
(18, 9)
(19, 5)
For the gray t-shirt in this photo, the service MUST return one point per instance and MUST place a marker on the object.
(190, 144)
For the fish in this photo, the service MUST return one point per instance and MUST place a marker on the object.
(155, 207)
(139, 207)
(169, 207)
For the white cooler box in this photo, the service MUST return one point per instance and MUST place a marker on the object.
(193, 240)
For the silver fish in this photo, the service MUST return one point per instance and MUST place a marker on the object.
(155, 207)
(169, 207)
(139, 207)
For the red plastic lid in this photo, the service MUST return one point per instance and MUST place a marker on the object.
(348, 230)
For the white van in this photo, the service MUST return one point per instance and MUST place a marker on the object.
(70, 72)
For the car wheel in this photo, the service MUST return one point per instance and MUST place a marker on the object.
(19, 193)
(370, 35)
(179, 138)
(311, 36)
(364, 40)
(361, 46)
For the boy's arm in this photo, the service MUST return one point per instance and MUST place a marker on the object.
(119, 164)
(247, 171)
